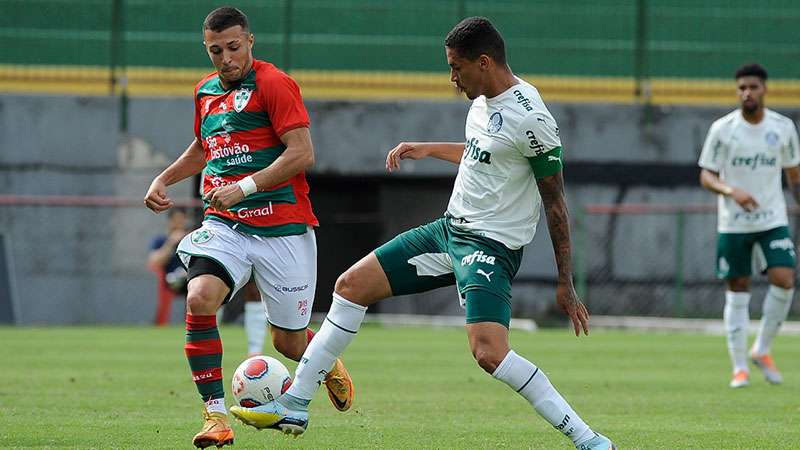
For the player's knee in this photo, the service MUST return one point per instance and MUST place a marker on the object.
(741, 284)
(784, 283)
(201, 301)
(487, 357)
(347, 286)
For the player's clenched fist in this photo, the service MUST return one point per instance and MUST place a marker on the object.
(156, 198)
(222, 198)
(405, 150)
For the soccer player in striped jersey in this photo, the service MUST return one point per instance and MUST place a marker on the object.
(252, 143)
(509, 166)
(742, 159)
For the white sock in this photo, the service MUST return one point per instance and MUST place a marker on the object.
(737, 316)
(776, 307)
(530, 382)
(216, 406)
(338, 329)
(255, 326)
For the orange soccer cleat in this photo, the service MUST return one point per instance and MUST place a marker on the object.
(216, 431)
(741, 378)
(768, 368)
(340, 386)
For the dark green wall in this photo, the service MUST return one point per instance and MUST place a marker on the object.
(678, 38)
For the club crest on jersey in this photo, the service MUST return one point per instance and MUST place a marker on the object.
(495, 123)
(772, 138)
(240, 99)
(202, 236)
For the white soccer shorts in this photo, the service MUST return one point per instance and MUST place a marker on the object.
(285, 267)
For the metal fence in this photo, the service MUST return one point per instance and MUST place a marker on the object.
(606, 50)
(653, 260)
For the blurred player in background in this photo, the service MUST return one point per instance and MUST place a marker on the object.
(252, 143)
(163, 261)
(741, 161)
(255, 321)
(510, 166)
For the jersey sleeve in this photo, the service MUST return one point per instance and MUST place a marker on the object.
(538, 140)
(537, 134)
(284, 104)
(197, 118)
(714, 150)
(790, 153)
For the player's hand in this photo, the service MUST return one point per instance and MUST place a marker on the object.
(745, 200)
(568, 300)
(405, 150)
(223, 197)
(156, 198)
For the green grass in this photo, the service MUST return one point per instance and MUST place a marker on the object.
(416, 388)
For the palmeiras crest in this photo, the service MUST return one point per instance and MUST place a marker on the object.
(241, 98)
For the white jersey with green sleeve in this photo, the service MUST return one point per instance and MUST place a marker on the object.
(508, 137)
(750, 157)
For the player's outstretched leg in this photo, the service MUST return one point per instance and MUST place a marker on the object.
(736, 317)
(290, 412)
(776, 308)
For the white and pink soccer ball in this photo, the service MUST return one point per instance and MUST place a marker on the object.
(259, 380)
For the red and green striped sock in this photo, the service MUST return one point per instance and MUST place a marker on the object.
(204, 352)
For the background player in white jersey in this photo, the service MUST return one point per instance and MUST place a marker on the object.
(741, 161)
(511, 156)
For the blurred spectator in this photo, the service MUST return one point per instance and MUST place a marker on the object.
(247, 302)
(163, 261)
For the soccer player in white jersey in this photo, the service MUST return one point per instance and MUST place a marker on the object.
(741, 161)
(510, 166)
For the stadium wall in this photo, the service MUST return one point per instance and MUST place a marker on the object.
(86, 264)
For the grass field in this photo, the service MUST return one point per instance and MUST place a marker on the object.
(416, 388)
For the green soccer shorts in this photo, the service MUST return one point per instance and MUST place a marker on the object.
(440, 254)
(737, 253)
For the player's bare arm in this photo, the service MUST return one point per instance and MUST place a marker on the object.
(555, 206)
(446, 151)
(298, 157)
(793, 178)
(190, 163)
(711, 181)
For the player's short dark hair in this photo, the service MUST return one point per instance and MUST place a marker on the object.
(751, 70)
(476, 36)
(225, 17)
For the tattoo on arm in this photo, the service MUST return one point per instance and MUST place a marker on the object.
(555, 206)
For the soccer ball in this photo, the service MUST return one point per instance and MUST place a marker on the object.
(259, 380)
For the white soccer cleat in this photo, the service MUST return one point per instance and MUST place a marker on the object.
(273, 415)
(598, 442)
(768, 368)
(741, 378)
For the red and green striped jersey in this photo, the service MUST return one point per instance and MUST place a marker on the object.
(240, 131)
